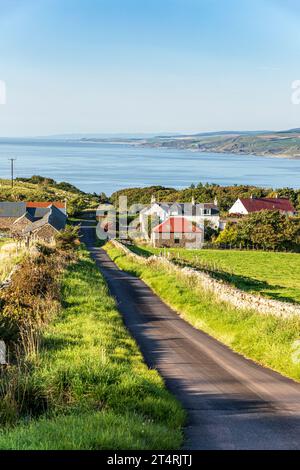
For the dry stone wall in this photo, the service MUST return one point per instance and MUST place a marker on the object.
(222, 290)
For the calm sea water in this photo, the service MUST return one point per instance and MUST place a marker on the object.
(109, 167)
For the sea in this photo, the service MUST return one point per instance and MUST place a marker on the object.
(108, 167)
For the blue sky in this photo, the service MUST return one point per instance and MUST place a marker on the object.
(104, 66)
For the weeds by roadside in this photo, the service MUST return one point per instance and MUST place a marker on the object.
(87, 387)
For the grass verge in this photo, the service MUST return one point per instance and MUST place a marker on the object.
(89, 387)
(267, 339)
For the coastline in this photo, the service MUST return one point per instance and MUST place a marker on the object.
(108, 166)
(206, 151)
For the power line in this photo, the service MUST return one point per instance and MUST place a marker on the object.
(12, 160)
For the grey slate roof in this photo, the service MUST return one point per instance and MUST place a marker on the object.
(38, 212)
(24, 216)
(187, 208)
(54, 217)
(12, 209)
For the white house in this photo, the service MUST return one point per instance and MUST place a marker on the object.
(198, 213)
(244, 206)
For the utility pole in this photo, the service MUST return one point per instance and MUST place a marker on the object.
(12, 160)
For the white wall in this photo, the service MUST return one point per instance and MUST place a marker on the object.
(238, 208)
(155, 209)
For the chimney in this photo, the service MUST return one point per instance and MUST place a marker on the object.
(153, 199)
(216, 201)
(251, 197)
(193, 201)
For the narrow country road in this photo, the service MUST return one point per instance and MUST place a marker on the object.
(231, 402)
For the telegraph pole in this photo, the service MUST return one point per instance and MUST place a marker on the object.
(12, 160)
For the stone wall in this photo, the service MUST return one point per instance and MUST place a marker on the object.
(222, 290)
(7, 222)
(46, 233)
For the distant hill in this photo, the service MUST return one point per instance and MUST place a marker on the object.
(285, 144)
(101, 136)
(268, 143)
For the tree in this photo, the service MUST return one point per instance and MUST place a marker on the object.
(76, 205)
(209, 232)
(267, 230)
(229, 236)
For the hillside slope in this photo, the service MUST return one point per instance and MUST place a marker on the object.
(284, 144)
(275, 144)
(39, 188)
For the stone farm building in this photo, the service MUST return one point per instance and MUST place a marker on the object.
(177, 232)
(32, 220)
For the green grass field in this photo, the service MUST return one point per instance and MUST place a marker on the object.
(267, 339)
(89, 388)
(275, 275)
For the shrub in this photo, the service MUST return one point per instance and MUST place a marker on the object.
(267, 230)
(32, 297)
(67, 239)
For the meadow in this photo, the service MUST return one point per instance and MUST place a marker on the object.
(266, 339)
(272, 274)
(88, 387)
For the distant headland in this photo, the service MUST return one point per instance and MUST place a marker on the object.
(283, 144)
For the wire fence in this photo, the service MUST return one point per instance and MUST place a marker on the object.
(223, 246)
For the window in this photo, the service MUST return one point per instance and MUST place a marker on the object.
(176, 240)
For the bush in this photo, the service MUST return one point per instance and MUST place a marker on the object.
(267, 230)
(68, 238)
(88, 388)
(32, 297)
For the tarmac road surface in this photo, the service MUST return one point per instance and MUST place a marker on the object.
(232, 403)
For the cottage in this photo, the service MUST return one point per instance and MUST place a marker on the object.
(177, 232)
(195, 213)
(244, 206)
(39, 207)
(38, 220)
(48, 226)
(10, 212)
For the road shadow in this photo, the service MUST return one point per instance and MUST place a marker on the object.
(244, 283)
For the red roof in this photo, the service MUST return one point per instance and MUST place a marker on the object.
(178, 225)
(58, 204)
(268, 203)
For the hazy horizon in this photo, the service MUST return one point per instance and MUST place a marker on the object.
(140, 134)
